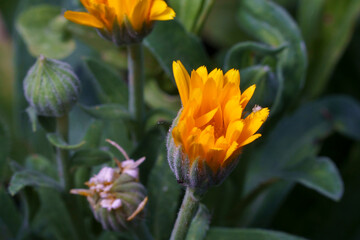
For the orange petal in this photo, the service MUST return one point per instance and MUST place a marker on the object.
(204, 119)
(83, 19)
(250, 139)
(232, 76)
(234, 130)
(182, 80)
(247, 95)
(253, 122)
(160, 11)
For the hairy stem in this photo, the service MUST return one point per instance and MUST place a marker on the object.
(188, 208)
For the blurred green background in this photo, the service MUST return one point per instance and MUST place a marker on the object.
(330, 64)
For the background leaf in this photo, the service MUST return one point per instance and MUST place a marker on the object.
(110, 86)
(271, 24)
(188, 49)
(27, 177)
(247, 234)
(162, 183)
(43, 29)
(199, 224)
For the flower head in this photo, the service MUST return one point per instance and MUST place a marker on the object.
(213, 126)
(115, 194)
(122, 21)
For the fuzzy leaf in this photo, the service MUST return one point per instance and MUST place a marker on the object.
(33, 178)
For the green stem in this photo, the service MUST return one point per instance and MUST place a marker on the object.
(188, 208)
(62, 156)
(136, 85)
(208, 4)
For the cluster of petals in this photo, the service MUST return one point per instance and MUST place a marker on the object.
(103, 14)
(211, 126)
(101, 184)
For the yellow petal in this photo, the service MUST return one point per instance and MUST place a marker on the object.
(231, 150)
(207, 138)
(139, 14)
(234, 131)
(247, 95)
(160, 11)
(218, 76)
(203, 73)
(232, 76)
(83, 19)
(204, 119)
(250, 139)
(253, 122)
(182, 79)
(233, 111)
(214, 158)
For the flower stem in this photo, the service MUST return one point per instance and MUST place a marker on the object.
(188, 208)
(136, 85)
(62, 155)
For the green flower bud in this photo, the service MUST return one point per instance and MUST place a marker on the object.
(51, 87)
(116, 197)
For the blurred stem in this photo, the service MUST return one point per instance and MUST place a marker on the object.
(62, 155)
(136, 85)
(203, 15)
(187, 211)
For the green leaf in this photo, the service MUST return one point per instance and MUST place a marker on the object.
(163, 191)
(156, 98)
(54, 217)
(218, 233)
(41, 164)
(236, 53)
(189, 50)
(150, 148)
(295, 142)
(110, 86)
(189, 12)
(320, 174)
(330, 31)
(10, 218)
(57, 141)
(199, 224)
(271, 24)
(90, 157)
(33, 178)
(93, 134)
(43, 29)
(107, 111)
(4, 149)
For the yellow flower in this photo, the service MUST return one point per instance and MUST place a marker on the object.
(211, 127)
(107, 15)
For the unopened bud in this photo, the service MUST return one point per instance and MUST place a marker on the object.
(51, 87)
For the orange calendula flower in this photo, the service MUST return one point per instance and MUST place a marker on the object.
(122, 21)
(211, 129)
